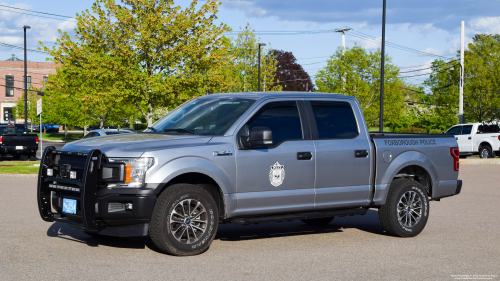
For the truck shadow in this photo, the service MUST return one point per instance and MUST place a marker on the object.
(228, 232)
(368, 223)
(63, 231)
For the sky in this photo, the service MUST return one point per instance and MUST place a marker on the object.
(432, 27)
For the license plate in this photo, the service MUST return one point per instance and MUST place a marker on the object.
(69, 206)
(19, 147)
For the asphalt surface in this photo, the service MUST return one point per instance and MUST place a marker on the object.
(462, 238)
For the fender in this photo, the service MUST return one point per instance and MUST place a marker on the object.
(192, 164)
(405, 159)
(484, 140)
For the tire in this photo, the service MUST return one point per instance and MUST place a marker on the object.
(485, 152)
(175, 233)
(318, 221)
(462, 156)
(403, 223)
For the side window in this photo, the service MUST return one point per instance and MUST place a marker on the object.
(335, 120)
(455, 130)
(282, 118)
(9, 85)
(466, 130)
(89, 135)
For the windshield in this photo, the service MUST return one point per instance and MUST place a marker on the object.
(203, 116)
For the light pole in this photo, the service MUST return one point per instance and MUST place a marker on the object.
(25, 80)
(382, 66)
(260, 44)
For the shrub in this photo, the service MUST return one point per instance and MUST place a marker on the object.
(412, 130)
(140, 127)
(435, 131)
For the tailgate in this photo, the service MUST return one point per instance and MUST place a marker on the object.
(19, 140)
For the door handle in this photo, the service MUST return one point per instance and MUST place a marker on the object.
(469, 138)
(360, 153)
(304, 156)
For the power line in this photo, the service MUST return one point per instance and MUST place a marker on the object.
(36, 11)
(443, 70)
(420, 65)
(36, 15)
(21, 48)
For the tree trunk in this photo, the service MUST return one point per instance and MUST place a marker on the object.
(149, 115)
(65, 132)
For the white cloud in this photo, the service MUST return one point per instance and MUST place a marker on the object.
(489, 25)
(68, 24)
(11, 40)
(248, 7)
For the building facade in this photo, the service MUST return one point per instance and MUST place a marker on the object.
(12, 83)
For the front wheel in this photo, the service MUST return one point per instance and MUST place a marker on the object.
(406, 210)
(185, 220)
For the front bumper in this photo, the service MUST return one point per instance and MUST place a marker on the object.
(98, 209)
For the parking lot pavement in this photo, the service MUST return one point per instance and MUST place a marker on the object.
(462, 237)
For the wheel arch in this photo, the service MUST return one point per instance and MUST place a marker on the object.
(199, 171)
(410, 164)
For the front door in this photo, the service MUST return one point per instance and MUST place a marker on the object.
(276, 178)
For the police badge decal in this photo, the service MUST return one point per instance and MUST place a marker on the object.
(277, 174)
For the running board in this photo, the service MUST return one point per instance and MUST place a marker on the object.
(298, 216)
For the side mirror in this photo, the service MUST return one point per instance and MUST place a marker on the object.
(257, 137)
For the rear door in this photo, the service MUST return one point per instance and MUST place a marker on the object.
(343, 154)
(464, 139)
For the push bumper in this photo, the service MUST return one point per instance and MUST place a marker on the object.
(98, 209)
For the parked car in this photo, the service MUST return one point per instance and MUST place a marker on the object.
(48, 128)
(477, 139)
(36, 128)
(16, 141)
(105, 132)
(246, 158)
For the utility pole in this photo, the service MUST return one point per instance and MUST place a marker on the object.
(25, 81)
(382, 68)
(343, 30)
(461, 91)
(258, 86)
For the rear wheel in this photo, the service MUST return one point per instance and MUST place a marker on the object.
(318, 221)
(185, 220)
(485, 152)
(406, 210)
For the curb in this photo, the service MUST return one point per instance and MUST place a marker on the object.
(480, 162)
(20, 175)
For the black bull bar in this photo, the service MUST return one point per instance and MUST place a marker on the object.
(87, 166)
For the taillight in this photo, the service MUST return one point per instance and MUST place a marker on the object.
(36, 139)
(455, 153)
(499, 137)
(1, 140)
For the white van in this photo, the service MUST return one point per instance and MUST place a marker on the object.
(477, 138)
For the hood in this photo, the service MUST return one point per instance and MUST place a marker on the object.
(133, 145)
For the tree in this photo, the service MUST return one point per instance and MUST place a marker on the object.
(146, 53)
(361, 70)
(481, 81)
(289, 74)
(245, 51)
(18, 109)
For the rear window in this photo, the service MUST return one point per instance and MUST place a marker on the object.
(17, 129)
(335, 120)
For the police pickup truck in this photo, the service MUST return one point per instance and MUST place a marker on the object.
(246, 158)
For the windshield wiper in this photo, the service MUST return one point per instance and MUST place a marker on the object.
(151, 128)
(180, 130)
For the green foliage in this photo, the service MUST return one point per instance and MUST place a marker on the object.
(481, 83)
(142, 53)
(412, 130)
(244, 64)
(18, 109)
(361, 70)
(140, 127)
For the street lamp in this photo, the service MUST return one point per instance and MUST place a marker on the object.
(260, 44)
(25, 80)
(382, 69)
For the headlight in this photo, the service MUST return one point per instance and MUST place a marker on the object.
(135, 171)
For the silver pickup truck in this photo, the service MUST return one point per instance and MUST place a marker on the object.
(246, 158)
